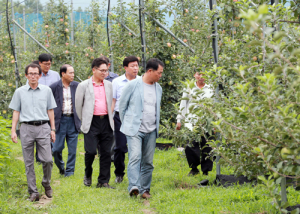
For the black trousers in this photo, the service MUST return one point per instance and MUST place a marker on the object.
(120, 147)
(194, 153)
(100, 133)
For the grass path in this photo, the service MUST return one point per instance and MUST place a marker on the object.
(172, 191)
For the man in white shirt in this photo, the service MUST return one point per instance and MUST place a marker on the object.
(131, 66)
(193, 153)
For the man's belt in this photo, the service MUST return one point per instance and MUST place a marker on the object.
(101, 116)
(68, 115)
(116, 112)
(36, 123)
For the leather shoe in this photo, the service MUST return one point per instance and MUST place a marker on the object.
(193, 172)
(134, 192)
(146, 195)
(62, 171)
(48, 191)
(105, 185)
(87, 181)
(34, 197)
(205, 173)
(119, 179)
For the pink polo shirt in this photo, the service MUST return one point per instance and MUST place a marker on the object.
(100, 107)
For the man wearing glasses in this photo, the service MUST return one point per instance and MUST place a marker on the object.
(48, 77)
(131, 66)
(93, 106)
(33, 105)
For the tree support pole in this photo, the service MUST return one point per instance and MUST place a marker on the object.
(16, 23)
(142, 31)
(108, 29)
(212, 5)
(169, 32)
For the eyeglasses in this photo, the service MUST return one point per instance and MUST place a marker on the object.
(46, 64)
(33, 74)
(103, 70)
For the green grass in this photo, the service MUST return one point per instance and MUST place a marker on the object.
(172, 191)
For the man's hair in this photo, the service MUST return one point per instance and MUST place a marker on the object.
(35, 62)
(154, 63)
(130, 59)
(64, 68)
(104, 58)
(32, 65)
(97, 62)
(45, 57)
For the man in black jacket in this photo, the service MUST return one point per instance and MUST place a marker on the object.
(67, 123)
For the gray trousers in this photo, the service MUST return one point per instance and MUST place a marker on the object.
(30, 134)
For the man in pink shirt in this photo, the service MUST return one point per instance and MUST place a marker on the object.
(93, 102)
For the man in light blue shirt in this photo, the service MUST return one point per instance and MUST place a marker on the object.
(131, 66)
(48, 76)
(33, 106)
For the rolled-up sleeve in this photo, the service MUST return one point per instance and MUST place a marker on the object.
(51, 104)
(15, 102)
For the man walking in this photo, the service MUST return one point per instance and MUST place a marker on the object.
(48, 77)
(33, 105)
(93, 106)
(139, 111)
(67, 123)
(131, 66)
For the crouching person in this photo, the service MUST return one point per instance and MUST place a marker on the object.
(33, 105)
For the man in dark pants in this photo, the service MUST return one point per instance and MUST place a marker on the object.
(110, 77)
(67, 123)
(93, 106)
(131, 66)
(193, 153)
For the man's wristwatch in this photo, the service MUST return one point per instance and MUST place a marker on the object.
(53, 130)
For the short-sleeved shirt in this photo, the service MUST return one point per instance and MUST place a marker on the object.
(33, 104)
(149, 112)
(49, 78)
(111, 76)
(118, 85)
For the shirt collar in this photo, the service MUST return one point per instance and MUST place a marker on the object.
(28, 87)
(48, 73)
(94, 84)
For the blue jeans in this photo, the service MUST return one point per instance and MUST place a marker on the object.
(141, 149)
(67, 131)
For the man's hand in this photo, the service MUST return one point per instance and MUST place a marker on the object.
(14, 137)
(53, 136)
(178, 126)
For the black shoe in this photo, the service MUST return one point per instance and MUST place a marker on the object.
(34, 197)
(193, 172)
(134, 192)
(62, 171)
(105, 185)
(119, 179)
(87, 181)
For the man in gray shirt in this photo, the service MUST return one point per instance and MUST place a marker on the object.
(139, 110)
(33, 105)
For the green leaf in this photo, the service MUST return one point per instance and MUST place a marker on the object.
(279, 35)
(263, 9)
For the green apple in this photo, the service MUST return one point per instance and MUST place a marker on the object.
(285, 152)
